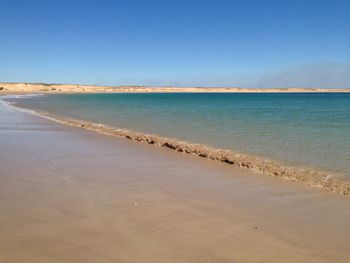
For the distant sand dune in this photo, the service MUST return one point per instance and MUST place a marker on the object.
(6, 88)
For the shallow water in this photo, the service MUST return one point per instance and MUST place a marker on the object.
(302, 129)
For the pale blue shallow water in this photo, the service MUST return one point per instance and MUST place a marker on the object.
(302, 129)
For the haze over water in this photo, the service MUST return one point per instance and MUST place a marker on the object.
(301, 129)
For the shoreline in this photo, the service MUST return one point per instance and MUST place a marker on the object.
(22, 88)
(72, 194)
(305, 176)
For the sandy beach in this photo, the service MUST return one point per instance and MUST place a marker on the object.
(22, 88)
(174, 132)
(72, 195)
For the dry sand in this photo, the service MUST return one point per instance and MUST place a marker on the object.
(17, 88)
(71, 195)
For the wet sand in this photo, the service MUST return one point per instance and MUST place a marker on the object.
(72, 195)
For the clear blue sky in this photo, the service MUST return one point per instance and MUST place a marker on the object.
(198, 43)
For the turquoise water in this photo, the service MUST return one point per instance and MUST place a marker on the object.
(303, 129)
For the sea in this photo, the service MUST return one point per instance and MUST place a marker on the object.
(310, 130)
